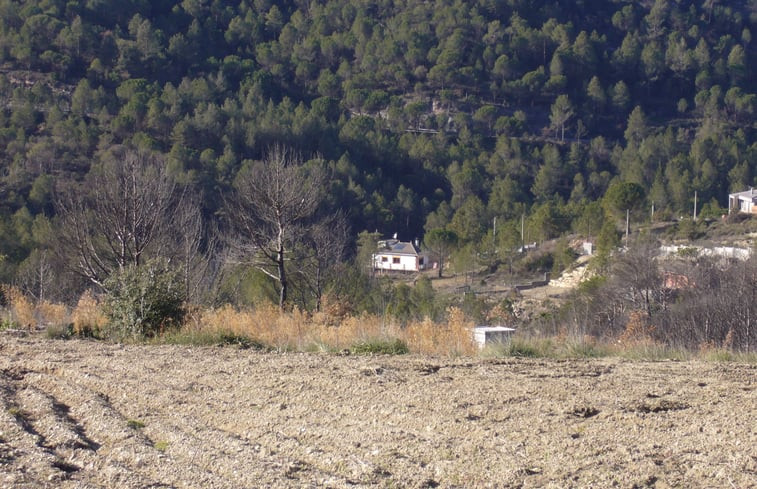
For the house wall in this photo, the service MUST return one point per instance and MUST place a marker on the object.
(395, 262)
(739, 204)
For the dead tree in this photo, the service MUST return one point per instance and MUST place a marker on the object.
(323, 249)
(125, 205)
(271, 209)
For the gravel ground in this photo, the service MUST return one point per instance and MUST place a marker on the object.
(83, 414)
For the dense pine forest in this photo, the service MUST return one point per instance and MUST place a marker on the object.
(419, 116)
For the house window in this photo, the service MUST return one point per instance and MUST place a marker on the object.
(384, 259)
(396, 260)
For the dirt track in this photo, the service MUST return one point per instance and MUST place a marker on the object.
(227, 418)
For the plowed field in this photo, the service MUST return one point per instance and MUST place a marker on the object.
(83, 414)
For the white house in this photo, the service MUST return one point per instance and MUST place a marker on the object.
(743, 202)
(393, 254)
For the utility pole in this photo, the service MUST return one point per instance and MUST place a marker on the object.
(494, 239)
(695, 205)
(522, 220)
(628, 215)
(652, 219)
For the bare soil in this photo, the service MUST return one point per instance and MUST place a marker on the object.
(84, 414)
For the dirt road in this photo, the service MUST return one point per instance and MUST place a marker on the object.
(82, 414)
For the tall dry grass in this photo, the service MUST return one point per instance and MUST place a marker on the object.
(88, 317)
(336, 328)
(295, 330)
(299, 330)
(23, 312)
(453, 337)
(20, 311)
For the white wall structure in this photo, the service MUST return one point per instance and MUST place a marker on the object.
(492, 335)
(743, 202)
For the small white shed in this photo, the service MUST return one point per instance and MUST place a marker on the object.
(492, 335)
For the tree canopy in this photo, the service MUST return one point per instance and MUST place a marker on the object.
(425, 114)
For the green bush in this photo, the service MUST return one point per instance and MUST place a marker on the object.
(210, 338)
(143, 301)
(584, 349)
(60, 331)
(521, 348)
(380, 347)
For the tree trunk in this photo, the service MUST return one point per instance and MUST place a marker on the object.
(282, 275)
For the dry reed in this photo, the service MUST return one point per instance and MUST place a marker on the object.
(20, 307)
(88, 317)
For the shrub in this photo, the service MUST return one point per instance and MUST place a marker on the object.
(59, 331)
(135, 424)
(521, 348)
(143, 301)
(380, 347)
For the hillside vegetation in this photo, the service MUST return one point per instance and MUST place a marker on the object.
(418, 115)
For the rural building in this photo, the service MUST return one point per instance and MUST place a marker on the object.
(396, 255)
(743, 202)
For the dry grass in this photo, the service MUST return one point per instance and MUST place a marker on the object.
(50, 314)
(455, 337)
(301, 331)
(336, 329)
(22, 312)
(295, 330)
(20, 308)
(88, 317)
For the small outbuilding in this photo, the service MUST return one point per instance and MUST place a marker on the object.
(492, 335)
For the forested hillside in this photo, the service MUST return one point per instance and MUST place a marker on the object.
(427, 114)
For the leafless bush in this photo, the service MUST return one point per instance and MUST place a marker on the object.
(716, 307)
(683, 302)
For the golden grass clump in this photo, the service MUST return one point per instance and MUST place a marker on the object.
(353, 329)
(455, 337)
(22, 310)
(225, 319)
(332, 311)
(51, 314)
(265, 324)
(88, 317)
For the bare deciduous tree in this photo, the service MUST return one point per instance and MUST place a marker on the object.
(194, 245)
(636, 276)
(271, 209)
(125, 206)
(324, 247)
(36, 275)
